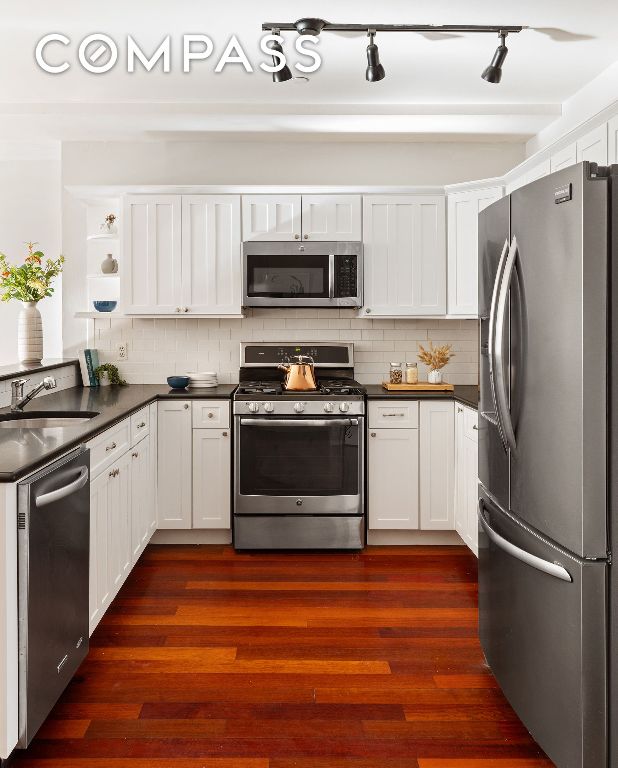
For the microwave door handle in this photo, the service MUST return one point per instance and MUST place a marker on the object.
(331, 275)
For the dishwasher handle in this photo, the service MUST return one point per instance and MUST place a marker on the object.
(66, 490)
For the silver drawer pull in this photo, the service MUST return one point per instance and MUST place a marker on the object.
(111, 447)
(390, 415)
(142, 425)
(135, 454)
(474, 426)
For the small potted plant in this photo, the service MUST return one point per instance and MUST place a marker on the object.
(29, 283)
(108, 373)
(435, 358)
(109, 225)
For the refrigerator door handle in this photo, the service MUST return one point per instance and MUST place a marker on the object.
(492, 340)
(502, 401)
(553, 569)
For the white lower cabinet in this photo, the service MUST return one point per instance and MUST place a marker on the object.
(437, 460)
(141, 498)
(174, 464)
(211, 478)
(393, 478)
(466, 473)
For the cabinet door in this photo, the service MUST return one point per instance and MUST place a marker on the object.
(140, 497)
(151, 511)
(174, 464)
(392, 482)
(463, 212)
(331, 217)
(460, 497)
(404, 255)
(612, 140)
(564, 158)
(271, 217)
(211, 271)
(437, 453)
(212, 461)
(151, 256)
(100, 526)
(593, 146)
(120, 532)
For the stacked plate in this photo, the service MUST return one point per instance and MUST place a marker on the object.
(202, 379)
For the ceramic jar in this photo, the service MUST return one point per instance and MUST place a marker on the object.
(109, 265)
(29, 333)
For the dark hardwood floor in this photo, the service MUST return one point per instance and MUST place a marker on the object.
(212, 659)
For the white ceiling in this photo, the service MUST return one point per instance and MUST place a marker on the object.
(433, 86)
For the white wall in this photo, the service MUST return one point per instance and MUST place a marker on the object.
(30, 210)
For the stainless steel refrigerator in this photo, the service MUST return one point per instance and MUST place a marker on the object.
(548, 441)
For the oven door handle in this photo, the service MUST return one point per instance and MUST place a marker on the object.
(298, 422)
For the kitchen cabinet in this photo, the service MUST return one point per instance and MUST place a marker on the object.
(592, 146)
(211, 254)
(271, 217)
(564, 158)
(436, 464)
(392, 483)
(151, 264)
(404, 255)
(141, 484)
(466, 475)
(174, 464)
(100, 527)
(463, 211)
(211, 478)
(119, 546)
(331, 217)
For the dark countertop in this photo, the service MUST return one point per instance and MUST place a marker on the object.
(17, 369)
(22, 451)
(466, 394)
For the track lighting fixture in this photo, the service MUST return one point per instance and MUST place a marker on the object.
(375, 71)
(493, 73)
(284, 73)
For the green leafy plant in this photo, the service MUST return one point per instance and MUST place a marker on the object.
(30, 281)
(113, 374)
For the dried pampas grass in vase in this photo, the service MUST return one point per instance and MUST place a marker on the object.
(435, 358)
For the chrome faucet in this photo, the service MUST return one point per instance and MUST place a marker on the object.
(19, 401)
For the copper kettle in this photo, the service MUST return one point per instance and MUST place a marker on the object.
(299, 376)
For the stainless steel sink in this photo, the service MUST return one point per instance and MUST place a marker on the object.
(45, 419)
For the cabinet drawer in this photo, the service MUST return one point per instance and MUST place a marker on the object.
(107, 447)
(398, 415)
(471, 423)
(211, 413)
(140, 425)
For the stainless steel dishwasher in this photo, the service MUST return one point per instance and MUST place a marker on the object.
(53, 536)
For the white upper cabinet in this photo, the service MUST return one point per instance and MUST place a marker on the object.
(463, 211)
(404, 255)
(564, 158)
(331, 217)
(593, 146)
(211, 272)
(151, 258)
(271, 217)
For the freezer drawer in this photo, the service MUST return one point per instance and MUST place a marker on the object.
(544, 637)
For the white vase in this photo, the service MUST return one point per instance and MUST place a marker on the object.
(435, 377)
(29, 333)
(104, 380)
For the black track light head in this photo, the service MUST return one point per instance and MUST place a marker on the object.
(284, 73)
(375, 71)
(310, 26)
(493, 73)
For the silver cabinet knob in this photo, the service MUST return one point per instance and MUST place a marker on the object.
(373, 434)
(211, 415)
(368, 310)
(111, 447)
(254, 407)
(135, 454)
(225, 434)
(185, 309)
(474, 426)
(306, 237)
(296, 237)
(186, 406)
(329, 407)
(344, 407)
(299, 407)
(269, 407)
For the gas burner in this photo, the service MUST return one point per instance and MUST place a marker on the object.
(340, 387)
(259, 388)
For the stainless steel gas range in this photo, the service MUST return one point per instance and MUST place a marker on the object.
(299, 456)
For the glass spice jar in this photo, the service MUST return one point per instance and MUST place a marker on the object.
(411, 373)
(396, 373)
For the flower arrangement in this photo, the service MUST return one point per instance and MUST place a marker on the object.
(435, 358)
(30, 281)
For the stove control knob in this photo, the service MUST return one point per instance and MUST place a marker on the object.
(269, 407)
(299, 407)
(329, 407)
(254, 407)
(344, 407)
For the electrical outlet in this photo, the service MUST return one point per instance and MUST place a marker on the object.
(121, 351)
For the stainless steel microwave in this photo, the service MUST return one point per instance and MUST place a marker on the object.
(289, 274)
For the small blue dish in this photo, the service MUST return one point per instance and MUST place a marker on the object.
(104, 306)
(178, 382)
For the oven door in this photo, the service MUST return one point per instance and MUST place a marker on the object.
(299, 466)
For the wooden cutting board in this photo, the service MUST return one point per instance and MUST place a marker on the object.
(422, 386)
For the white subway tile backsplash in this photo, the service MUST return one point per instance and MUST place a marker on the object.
(158, 348)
